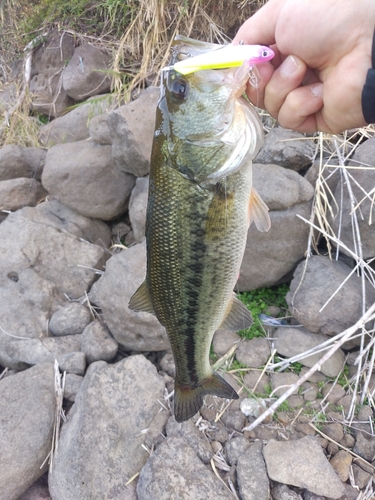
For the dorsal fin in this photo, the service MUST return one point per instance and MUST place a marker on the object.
(258, 212)
(238, 317)
(141, 300)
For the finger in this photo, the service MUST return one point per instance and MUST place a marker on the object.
(284, 80)
(301, 107)
(260, 27)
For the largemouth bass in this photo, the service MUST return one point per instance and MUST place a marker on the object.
(200, 205)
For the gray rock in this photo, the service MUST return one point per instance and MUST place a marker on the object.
(73, 383)
(48, 94)
(168, 365)
(132, 131)
(280, 382)
(282, 492)
(26, 300)
(35, 159)
(138, 208)
(333, 392)
(302, 463)
(114, 404)
(35, 238)
(83, 176)
(13, 163)
(174, 472)
(271, 255)
(341, 463)
(252, 476)
(253, 353)
(37, 491)
(251, 379)
(321, 279)
(75, 125)
(363, 178)
(156, 431)
(27, 412)
(86, 74)
(365, 446)
(124, 273)
(234, 448)
(280, 187)
(234, 419)
(287, 148)
(99, 130)
(72, 362)
(70, 319)
(196, 439)
(361, 477)
(19, 193)
(293, 341)
(253, 407)
(223, 341)
(45, 350)
(97, 343)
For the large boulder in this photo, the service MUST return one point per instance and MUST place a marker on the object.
(100, 447)
(83, 176)
(138, 208)
(271, 255)
(20, 192)
(134, 331)
(132, 129)
(27, 417)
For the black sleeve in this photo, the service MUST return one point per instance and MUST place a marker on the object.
(368, 92)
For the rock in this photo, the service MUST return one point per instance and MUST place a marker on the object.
(234, 448)
(36, 238)
(168, 365)
(271, 255)
(333, 392)
(252, 407)
(124, 273)
(13, 163)
(252, 476)
(280, 187)
(175, 471)
(45, 350)
(97, 343)
(26, 300)
(361, 477)
(253, 353)
(282, 492)
(48, 94)
(362, 176)
(27, 414)
(73, 383)
(302, 463)
(35, 159)
(75, 125)
(223, 341)
(234, 419)
(341, 463)
(70, 319)
(365, 446)
(99, 130)
(287, 148)
(87, 73)
(72, 362)
(156, 431)
(132, 131)
(19, 193)
(114, 404)
(321, 279)
(138, 208)
(196, 439)
(38, 490)
(282, 381)
(83, 176)
(252, 382)
(293, 341)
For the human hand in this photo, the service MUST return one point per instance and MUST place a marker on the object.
(322, 55)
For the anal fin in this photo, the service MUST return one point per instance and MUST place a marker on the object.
(258, 212)
(141, 300)
(238, 316)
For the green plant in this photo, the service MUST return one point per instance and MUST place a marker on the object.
(257, 301)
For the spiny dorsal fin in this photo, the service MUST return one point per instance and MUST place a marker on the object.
(141, 300)
(258, 212)
(238, 317)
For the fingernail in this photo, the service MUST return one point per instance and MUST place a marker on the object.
(317, 90)
(289, 66)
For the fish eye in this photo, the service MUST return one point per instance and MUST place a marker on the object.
(179, 88)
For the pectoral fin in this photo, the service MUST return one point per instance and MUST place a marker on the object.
(238, 317)
(141, 300)
(258, 212)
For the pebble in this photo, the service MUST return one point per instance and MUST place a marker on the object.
(341, 463)
(235, 447)
(253, 353)
(97, 343)
(251, 380)
(361, 477)
(281, 382)
(223, 341)
(72, 384)
(333, 393)
(252, 478)
(334, 431)
(70, 319)
(252, 407)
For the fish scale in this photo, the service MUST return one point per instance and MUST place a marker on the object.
(200, 205)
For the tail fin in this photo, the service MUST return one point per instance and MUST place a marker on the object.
(187, 401)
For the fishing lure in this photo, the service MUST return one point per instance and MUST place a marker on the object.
(228, 56)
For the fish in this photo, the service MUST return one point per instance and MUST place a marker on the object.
(200, 204)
